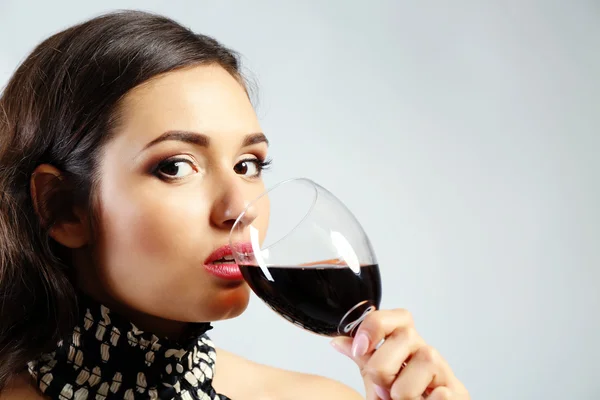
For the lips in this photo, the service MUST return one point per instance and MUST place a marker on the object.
(223, 255)
(221, 262)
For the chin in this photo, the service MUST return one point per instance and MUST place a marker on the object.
(224, 305)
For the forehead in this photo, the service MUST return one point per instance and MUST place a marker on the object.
(204, 99)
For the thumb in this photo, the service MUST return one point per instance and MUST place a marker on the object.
(343, 345)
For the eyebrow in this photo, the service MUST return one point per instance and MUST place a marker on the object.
(203, 140)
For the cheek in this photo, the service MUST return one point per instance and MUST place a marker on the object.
(152, 224)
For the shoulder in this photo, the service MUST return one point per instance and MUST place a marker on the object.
(21, 387)
(314, 387)
(237, 377)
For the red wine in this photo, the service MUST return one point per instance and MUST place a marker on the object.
(329, 300)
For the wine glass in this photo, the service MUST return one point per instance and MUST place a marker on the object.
(311, 262)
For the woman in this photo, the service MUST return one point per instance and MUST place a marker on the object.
(125, 143)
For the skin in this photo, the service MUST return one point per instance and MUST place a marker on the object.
(157, 227)
(145, 259)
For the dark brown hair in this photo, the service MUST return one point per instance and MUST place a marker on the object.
(59, 108)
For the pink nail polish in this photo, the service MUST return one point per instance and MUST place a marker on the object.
(360, 345)
(382, 393)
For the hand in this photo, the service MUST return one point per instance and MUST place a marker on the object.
(404, 366)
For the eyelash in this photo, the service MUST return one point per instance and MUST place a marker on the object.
(260, 163)
(169, 161)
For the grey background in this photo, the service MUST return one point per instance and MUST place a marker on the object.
(464, 135)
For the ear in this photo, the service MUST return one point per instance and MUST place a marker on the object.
(54, 206)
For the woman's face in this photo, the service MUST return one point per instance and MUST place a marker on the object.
(185, 161)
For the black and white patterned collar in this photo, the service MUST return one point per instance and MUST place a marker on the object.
(108, 357)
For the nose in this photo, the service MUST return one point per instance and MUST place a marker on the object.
(231, 201)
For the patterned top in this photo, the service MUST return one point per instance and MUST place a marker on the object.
(108, 357)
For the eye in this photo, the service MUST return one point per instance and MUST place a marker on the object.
(173, 169)
(251, 167)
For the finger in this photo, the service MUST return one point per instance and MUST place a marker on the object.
(381, 393)
(425, 370)
(385, 363)
(441, 393)
(343, 345)
(412, 382)
(376, 327)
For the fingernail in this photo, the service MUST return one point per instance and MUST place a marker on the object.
(360, 345)
(382, 393)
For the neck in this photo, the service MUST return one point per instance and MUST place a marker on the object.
(87, 283)
(161, 327)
